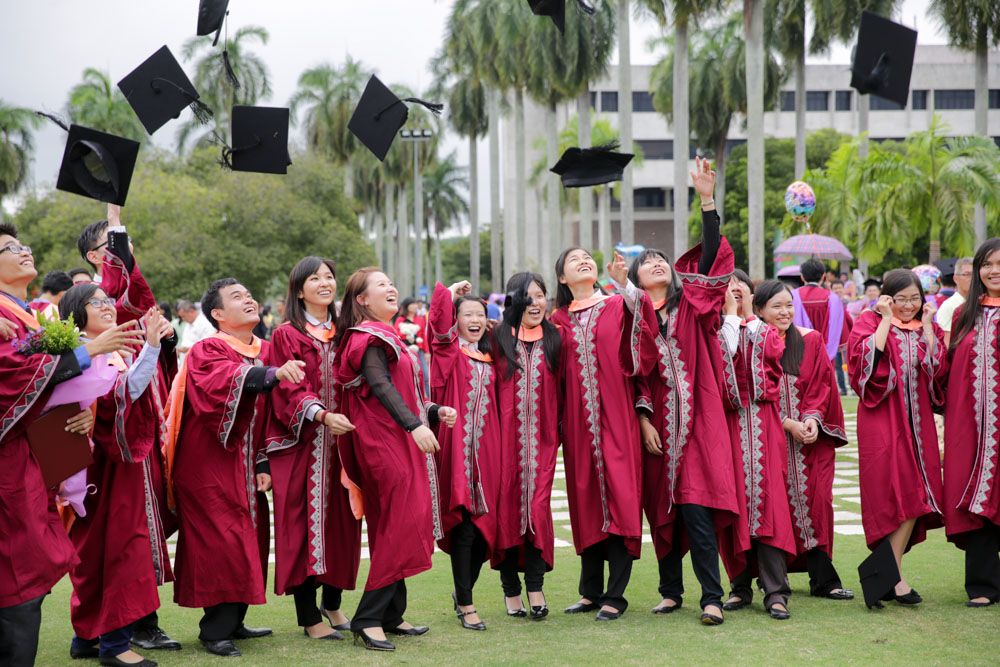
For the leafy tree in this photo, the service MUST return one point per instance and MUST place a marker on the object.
(455, 261)
(16, 147)
(96, 102)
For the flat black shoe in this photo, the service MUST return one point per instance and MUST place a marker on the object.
(736, 606)
(224, 647)
(115, 662)
(515, 613)
(581, 608)
(778, 614)
(666, 609)
(243, 632)
(154, 640)
(88, 653)
(333, 636)
(539, 612)
(980, 605)
(608, 615)
(415, 631)
(480, 626)
(373, 644)
(711, 619)
(910, 599)
(877, 605)
(842, 594)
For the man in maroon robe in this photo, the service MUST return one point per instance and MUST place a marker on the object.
(820, 309)
(219, 471)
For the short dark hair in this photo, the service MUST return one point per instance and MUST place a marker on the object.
(812, 270)
(743, 277)
(897, 280)
(55, 282)
(168, 310)
(77, 271)
(88, 238)
(213, 299)
(837, 282)
(74, 303)
(8, 229)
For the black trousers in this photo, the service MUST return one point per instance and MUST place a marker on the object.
(982, 563)
(19, 633)
(697, 522)
(619, 561)
(823, 576)
(147, 623)
(381, 608)
(534, 570)
(773, 576)
(468, 552)
(306, 611)
(221, 621)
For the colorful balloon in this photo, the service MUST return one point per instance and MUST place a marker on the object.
(800, 201)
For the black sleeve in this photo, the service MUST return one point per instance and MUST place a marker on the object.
(432, 415)
(262, 467)
(260, 379)
(118, 246)
(375, 368)
(711, 238)
(168, 345)
(877, 357)
(67, 368)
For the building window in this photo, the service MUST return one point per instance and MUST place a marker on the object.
(954, 99)
(733, 143)
(842, 100)
(918, 101)
(877, 103)
(593, 100)
(642, 100)
(995, 98)
(650, 198)
(817, 100)
(787, 100)
(996, 140)
(656, 149)
(609, 101)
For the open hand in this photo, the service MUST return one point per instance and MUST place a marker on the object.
(154, 327)
(81, 422)
(424, 437)
(122, 339)
(703, 179)
(618, 269)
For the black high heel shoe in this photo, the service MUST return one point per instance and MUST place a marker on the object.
(373, 644)
(470, 626)
(515, 613)
(538, 612)
(343, 627)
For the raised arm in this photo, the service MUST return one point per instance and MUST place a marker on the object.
(703, 179)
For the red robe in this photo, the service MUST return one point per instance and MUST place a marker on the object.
(603, 347)
(219, 556)
(398, 481)
(812, 394)
(129, 289)
(35, 552)
(684, 394)
(315, 533)
(469, 459)
(753, 380)
(816, 301)
(898, 456)
(121, 542)
(971, 427)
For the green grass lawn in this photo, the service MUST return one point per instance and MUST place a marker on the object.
(940, 631)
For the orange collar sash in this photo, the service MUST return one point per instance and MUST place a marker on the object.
(912, 325)
(584, 304)
(990, 301)
(477, 355)
(321, 334)
(251, 351)
(658, 305)
(27, 319)
(532, 335)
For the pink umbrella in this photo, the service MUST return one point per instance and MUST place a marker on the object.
(789, 271)
(814, 245)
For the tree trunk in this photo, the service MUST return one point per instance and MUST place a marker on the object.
(379, 237)
(862, 156)
(437, 260)
(348, 181)
(982, 106)
(552, 229)
(520, 245)
(586, 230)
(682, 135)
(625, 119)
(473, 221)
(390, 266)
(720, 179)
(405, 274)
(800, 108)
(754, 19)
(603, 218)
(418, 221)
(496, 223)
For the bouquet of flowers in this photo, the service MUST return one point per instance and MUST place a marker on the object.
(54, 337)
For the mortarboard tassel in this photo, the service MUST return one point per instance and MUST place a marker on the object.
(230, 73)
(433, 107)
(55, 119)
(202, 112)
(587, 9)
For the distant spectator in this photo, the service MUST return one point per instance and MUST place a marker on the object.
(54, 285)
(963, 280)
(199, 328)
(80, 275)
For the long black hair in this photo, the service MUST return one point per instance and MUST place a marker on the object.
(295, 307)
(506, 333)
(483, 345)
(74, 302)
(795, 346)
(564, 295)
(673, 290)
(966, 320)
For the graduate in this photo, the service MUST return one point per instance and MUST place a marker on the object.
(389, 460)
(689, 488)
(526, 352)
(897, 362)
(462, 374)
(820, 309)
(971, 492)
(605, 343)
(764, 538)
(317, 538)
(813, 420)
(119, 538)
(219, 470)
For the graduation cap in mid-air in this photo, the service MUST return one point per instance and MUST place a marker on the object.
(883, 58)
(582, 167)
(259, 140)
(211, 15)
(556, 10)
(514, 305)
(879, 574)
(946, 266)
(379, 116)
(873, 282)
(159, 90)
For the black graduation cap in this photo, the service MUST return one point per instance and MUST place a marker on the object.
(883, 58)
(946, 266)
(873, 281)
(581, 167)
(556, 10)
(879, 574)
(158, 91)
(211, 14)
(259, 140)
(380, 114)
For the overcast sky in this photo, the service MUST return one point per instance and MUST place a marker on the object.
(46, 44)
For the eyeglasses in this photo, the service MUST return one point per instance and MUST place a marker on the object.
(15, 249)
(100, 303)
(906, 302)
(99, 246)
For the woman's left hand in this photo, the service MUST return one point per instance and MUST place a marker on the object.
(447, 415)
(618, 269)
(928, 313)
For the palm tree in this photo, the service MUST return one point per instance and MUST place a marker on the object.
(973, 25)
(212, 81)
(625, 117)
(16, 147)
(444, 205)
(753, 22)
(96, 102)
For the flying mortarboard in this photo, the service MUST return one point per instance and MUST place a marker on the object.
(946, 266)
(514, 305)
(581, 167)
(883, 58)
(259, 140)
(211, 15)
(158, 91)
(379, 116)
(556, 10)
(879, 574)
(873, 282)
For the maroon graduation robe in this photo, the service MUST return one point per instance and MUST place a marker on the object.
(469, 459)
(603, 347)
(812, 394)
(898, 457)
(129, 289)
(35, 552)
(399, 482)
(219, 555)
(684, 394)
(315, 533)
(971, 427)
(816, 301)
(121, 542)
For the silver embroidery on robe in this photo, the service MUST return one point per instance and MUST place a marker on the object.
(527, 381)
(797, 478)
(909, 353)
(987, 402)
(676, 403)
(477, 403)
